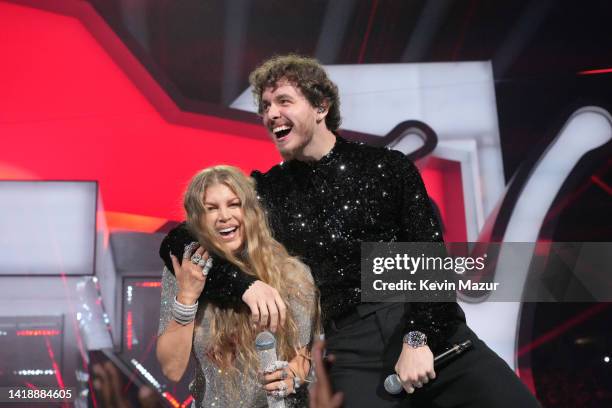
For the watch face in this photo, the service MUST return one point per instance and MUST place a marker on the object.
(415, 339)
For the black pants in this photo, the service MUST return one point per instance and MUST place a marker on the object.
(366, 352)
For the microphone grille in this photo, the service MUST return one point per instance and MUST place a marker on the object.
(393, 384)
(265, 341)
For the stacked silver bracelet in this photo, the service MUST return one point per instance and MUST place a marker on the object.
(184, 314)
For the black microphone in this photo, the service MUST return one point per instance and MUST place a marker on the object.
(393, 385)
(265, 344)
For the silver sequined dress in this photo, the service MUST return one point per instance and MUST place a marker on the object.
(207, 387)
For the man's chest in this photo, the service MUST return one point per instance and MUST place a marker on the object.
(335, 211)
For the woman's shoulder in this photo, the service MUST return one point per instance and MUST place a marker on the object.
(298, 270)
(300, 286)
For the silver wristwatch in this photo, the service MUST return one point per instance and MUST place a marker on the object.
(415, 339)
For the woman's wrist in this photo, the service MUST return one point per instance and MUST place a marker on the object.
(183, 313)
(186, 299)
(300, 366)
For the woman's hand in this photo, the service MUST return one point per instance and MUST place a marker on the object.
(281, 378)
(189, 275)
(278, 379)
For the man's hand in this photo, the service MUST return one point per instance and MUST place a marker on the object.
(266, 305)
(415, 367)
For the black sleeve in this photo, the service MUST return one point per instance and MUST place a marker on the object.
(266, 196)
(438, 320)
(225, 283)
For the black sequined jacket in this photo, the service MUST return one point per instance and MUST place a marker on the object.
(321, 211)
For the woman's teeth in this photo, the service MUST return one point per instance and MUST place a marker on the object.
(227, 231)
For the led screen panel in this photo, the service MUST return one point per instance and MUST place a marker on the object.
(31, 351)
(47, 227)
(141, 304)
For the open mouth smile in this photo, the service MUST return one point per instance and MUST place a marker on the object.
(281, 131)
(229, 233)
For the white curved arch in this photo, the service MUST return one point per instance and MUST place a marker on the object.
(586, 129)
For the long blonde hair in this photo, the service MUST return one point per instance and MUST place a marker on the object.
(232, 335)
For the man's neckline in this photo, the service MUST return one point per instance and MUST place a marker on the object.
(329, 156)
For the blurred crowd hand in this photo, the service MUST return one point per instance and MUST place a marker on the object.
(108, 388)
(321, 393)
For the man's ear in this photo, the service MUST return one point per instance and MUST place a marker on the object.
(324, 106)
(322, 111)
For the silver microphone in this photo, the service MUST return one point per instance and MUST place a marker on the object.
(265, 345)
(392, 383)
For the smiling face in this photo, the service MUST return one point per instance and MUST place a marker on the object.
(290, 119)
(223, 217)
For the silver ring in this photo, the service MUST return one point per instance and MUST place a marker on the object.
(296, 383)
(189, 248)
(202, 263)
(196, 258)
(206, 269)
(283, 375)
(282, 386)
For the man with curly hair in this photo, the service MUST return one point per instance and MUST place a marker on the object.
(327, 197)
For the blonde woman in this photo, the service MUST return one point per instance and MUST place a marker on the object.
(223, 212)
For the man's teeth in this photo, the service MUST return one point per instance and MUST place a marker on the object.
(281, 128)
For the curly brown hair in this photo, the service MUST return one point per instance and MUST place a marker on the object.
(305, 73)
